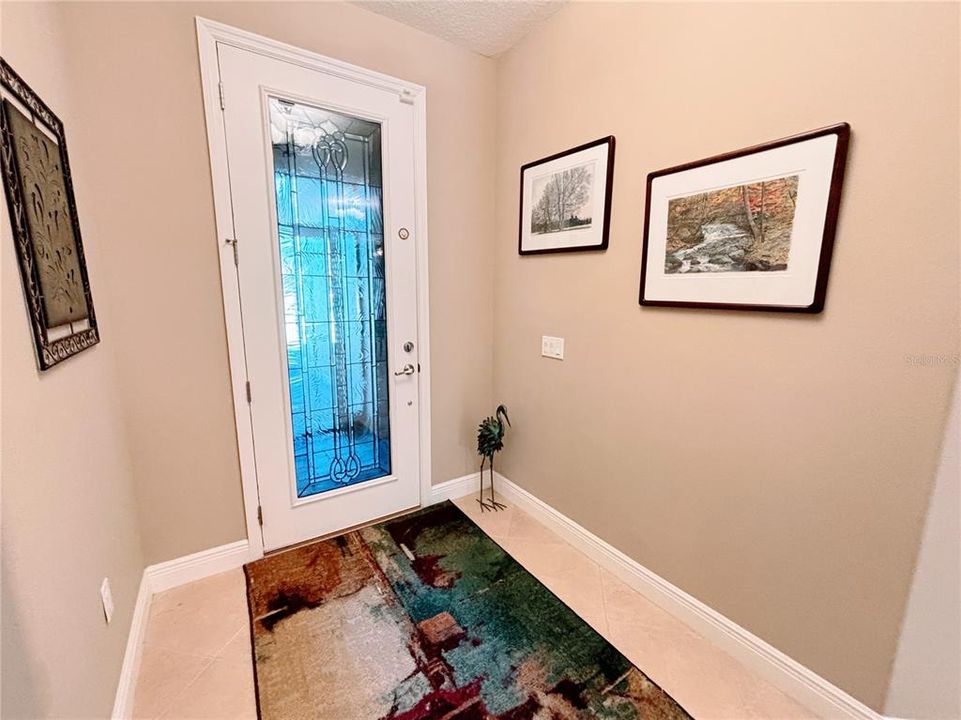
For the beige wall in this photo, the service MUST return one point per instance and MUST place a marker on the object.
(137, 70)
(775, 467)
(69, 515)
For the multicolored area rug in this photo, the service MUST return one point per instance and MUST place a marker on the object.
(424, 616)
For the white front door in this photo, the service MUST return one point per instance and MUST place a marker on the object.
(321, 173)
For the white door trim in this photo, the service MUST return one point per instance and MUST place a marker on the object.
(209, 34)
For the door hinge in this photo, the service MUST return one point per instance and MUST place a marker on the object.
(220, 89)
(248, 391)
(233, 244)
(260, 515)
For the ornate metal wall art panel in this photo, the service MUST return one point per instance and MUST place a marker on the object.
(43, 217)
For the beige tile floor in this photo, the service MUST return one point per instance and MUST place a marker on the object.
(197, 661)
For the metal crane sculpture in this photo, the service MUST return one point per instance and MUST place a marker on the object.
(490, 439)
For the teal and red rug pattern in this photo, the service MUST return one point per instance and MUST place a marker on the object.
(423, 617)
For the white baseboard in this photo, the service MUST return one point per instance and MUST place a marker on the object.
(450, 489)
(123, 701)
(790, 676)
(157, 578)
(205, 563)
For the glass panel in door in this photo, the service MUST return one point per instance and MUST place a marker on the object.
(327, 175)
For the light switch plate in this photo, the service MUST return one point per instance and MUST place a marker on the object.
(552, 347)
(107, 598)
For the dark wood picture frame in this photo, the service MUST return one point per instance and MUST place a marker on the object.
(81, 332)
(609, 184)
(843, 131)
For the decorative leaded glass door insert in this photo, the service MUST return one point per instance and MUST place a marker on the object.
(327, 174)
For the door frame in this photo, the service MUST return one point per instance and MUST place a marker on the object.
(209, 34)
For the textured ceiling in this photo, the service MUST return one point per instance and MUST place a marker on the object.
(488, 27)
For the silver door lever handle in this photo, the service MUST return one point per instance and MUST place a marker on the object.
(408, 370)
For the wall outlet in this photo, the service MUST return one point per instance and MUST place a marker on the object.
(552, 347)
(107, 598)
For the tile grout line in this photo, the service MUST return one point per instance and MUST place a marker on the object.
(209, 664)
(607, 619)
(510, 523)
(220, 653)
(175, 650)
(170, 704)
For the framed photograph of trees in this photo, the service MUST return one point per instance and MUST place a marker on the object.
(747, 230)
(565, 201)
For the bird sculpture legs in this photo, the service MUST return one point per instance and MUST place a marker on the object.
(480, 492)
(494, 505)
(491, 503)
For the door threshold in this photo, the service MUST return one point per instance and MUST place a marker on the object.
(338, 533)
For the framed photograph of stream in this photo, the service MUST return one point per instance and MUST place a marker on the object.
(747, 230)
(566, 200)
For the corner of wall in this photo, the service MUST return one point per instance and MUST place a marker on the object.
(925, 681)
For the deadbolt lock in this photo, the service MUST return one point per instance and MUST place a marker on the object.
(403, 233)
(408, 346)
